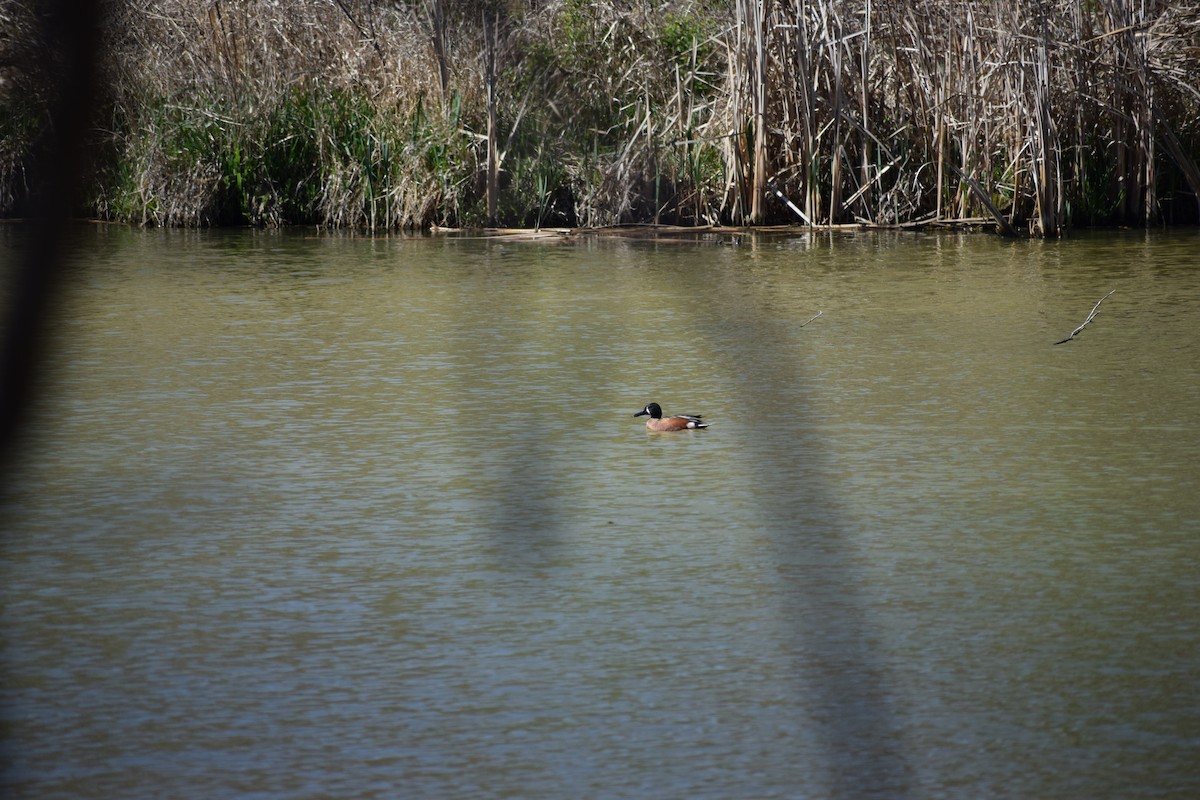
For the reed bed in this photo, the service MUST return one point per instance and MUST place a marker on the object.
(1032, 117)
(244, 112)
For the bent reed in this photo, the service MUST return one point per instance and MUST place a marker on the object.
(1032, 117)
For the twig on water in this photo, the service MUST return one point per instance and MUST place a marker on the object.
(819, 313)
(1090, 317)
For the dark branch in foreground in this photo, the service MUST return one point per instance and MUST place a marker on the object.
(1090, 317)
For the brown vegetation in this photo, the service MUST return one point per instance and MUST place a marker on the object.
(1032, 116)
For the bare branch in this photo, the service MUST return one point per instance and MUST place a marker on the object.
(1090, 317)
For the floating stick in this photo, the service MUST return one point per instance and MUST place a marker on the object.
(1090, 317)
(819, 313)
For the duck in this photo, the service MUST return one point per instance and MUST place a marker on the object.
(675, 422)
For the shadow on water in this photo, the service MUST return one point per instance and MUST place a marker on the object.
(835, 667)
(836, 664)
(524, 501)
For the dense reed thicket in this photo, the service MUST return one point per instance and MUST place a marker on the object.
(1033, 116)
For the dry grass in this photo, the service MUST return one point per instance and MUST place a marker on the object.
(268, 113)
(1036, 116)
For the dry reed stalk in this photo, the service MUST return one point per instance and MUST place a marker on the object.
(758, 17)
(491, 34)
(865, 93)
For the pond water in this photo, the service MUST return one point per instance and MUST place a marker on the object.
(321, 516)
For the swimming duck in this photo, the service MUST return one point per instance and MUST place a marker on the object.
(675, 422)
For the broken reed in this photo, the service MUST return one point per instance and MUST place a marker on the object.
(1033, 116)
